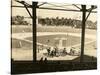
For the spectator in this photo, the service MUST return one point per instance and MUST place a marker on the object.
(71, 51)
(41, 60)
(52, 53)
(48, 50)
(55, 51)
(64, 51)
(45, 60)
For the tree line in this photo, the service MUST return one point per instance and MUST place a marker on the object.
(18, 20)
(74, 23)
(65, 22)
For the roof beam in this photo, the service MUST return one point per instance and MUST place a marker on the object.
(54, 9)
(76, 6)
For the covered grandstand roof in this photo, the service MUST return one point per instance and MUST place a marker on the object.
(47, 9)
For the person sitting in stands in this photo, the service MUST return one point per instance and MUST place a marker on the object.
(52, 53)
(45, 60)
(48, 50)
(41, 60)
(55, 51)
(64, 51)
(71, 50)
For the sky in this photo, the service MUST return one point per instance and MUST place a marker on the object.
(52, 13)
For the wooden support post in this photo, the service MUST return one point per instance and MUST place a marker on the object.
(34, 5)
(83, 32)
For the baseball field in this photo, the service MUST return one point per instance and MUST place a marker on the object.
(46, 36)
